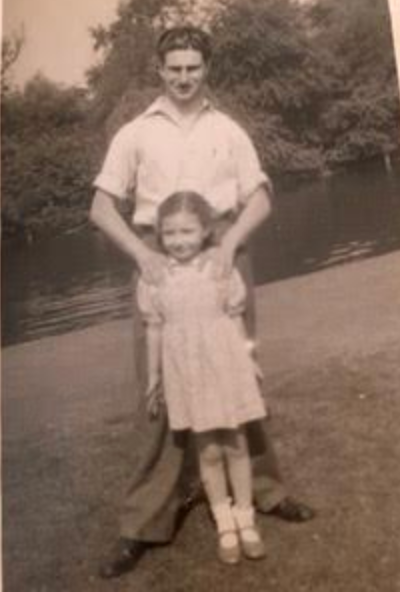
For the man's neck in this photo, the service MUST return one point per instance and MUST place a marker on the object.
(189, 111)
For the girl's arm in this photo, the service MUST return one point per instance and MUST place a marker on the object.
(154, 390)
(235, 308)
(251, 348)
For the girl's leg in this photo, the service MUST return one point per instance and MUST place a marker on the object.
(236, 452)
(238, 461)
(213, 475)
(212, 468)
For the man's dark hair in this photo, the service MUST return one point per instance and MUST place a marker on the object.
(187, 37)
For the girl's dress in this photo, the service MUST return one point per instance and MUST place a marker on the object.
(208, 375)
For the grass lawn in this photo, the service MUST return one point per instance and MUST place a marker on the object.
(330, 349)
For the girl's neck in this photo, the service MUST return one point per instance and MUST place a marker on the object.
(188, 262)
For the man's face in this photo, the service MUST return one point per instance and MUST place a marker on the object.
(184, 75)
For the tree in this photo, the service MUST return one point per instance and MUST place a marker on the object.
(266, 72)
(43, 105)
(49, 155)
(125, 50)
(361, 113)
(10, 50)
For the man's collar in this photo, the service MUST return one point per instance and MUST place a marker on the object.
(164, 106)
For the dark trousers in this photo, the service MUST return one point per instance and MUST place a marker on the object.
(151, 505)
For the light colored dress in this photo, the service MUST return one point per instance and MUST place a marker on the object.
(208, 375)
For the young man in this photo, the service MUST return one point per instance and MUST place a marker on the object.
(181, 142)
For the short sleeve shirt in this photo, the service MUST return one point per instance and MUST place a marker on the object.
(154, 156)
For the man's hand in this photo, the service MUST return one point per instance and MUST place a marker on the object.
(223, 258)
(152, 266)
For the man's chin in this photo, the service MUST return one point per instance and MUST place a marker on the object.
(184, 97)
(183, 258)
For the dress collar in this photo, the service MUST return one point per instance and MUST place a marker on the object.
(195, 263)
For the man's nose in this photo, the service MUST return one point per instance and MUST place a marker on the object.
(183, 77)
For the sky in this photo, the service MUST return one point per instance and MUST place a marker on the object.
(57, 41)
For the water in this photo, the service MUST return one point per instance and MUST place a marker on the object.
(61, 284)
(79, 279)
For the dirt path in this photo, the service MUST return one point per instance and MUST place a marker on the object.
(330, 345)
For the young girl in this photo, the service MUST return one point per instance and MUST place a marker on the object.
(199, 358)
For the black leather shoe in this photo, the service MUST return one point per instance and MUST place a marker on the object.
(292, 511)
(123, 558)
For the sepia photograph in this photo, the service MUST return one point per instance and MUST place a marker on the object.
(200, 295)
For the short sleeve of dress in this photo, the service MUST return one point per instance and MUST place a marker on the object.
(236, 295)
(149, 303)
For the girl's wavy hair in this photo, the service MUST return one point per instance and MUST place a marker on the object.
(187, 37)
(192, 203)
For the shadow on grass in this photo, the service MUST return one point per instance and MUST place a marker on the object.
(336, 431)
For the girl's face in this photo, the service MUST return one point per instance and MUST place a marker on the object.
(183, 236)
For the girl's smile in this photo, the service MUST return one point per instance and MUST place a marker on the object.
(183, 236)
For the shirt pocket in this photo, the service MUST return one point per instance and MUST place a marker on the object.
(219, 163)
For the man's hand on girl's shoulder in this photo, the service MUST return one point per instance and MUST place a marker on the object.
(152, 267)
(223, 259)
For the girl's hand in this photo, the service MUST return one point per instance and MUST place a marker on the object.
(258, 372)
(152, 266)
(154, 398)
(252, 351)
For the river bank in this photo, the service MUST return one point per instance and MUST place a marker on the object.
(75, 280)
(329, 349)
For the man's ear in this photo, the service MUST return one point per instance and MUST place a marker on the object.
(160, 69)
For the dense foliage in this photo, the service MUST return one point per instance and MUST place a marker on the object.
(270, 77)
(48, 159)
(314, 83)
(360, 118)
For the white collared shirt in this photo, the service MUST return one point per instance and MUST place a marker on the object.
(154, 156)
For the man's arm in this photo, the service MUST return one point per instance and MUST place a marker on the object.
(255, 212)
(257, 209)
(104, 214)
